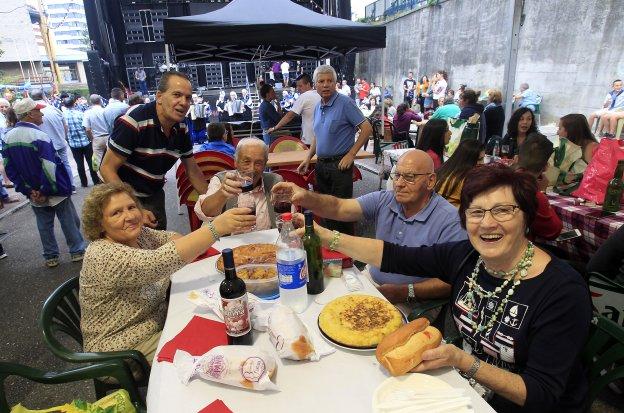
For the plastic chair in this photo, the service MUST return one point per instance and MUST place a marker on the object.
(287, 144)
(603, 355)
(620, 126)
(311, 177)
(378, 142)
(61, 314)
(292, 176)
(110, 368)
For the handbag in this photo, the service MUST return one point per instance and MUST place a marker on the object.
(600, 171)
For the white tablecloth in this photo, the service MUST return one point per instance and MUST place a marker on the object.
(341, 382)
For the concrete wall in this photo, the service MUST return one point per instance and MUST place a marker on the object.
(569, 50)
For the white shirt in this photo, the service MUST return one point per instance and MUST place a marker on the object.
(53, 125)
(304, 106)
(345, 90)
(94, 119)
(439, 89)
(285, 67)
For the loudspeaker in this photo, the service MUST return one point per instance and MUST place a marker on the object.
(97, 78)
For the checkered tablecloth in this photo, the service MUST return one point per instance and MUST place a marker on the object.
(594, 229)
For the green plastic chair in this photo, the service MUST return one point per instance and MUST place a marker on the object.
(61, 314)
(620, 126)
(111, 368)
(603, 355)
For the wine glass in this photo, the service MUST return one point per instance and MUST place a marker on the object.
(247, 201)
(247, 180)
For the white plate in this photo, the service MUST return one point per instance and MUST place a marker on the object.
(411, 381)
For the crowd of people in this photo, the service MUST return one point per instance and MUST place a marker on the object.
(448, 228)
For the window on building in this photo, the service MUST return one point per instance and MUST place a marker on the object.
(147, 25)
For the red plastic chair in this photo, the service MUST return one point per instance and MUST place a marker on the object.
(293, 176)
(210, 163)
(311, 177)
(286, 144)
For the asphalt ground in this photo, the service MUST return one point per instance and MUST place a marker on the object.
(26, 283)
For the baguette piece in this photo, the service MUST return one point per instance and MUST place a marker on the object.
(401, 351)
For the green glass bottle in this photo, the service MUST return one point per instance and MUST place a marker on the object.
(614, 190)
(312, 246)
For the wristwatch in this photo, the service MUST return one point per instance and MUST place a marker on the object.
(410, 293)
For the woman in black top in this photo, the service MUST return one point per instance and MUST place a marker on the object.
(494, 114)
(523, 314)
(521, 124)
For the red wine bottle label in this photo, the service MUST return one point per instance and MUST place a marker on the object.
(236, 316)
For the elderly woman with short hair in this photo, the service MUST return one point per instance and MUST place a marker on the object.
(523, 314)
(126, 268)
(225, 188)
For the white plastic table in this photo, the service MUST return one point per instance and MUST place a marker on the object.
(340, 382)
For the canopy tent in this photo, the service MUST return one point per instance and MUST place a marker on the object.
(249, 30)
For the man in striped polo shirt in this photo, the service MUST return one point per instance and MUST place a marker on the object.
(147, 141)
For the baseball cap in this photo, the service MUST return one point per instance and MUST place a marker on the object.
(26, 105)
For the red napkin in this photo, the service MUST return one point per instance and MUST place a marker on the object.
(347, 262)
(216, 406)
(199, 336)
(209, 253)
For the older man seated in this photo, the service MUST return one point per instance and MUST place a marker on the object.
(225, 188)
(411, 215)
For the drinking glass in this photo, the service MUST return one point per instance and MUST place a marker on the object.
(247, 201)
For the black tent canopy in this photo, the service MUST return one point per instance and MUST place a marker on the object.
(248, 30)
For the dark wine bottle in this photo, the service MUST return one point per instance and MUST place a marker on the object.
(312, 246)
(233, 293)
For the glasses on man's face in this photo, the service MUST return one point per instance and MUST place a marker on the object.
(500, 213)
(410, 178)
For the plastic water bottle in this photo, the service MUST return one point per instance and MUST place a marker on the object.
(496, 150)
(291, 269)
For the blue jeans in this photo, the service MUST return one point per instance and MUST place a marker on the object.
(64, 157)
(143, 87)
(267, 138)
(3, 192)
(70, 224)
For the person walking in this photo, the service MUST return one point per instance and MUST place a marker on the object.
(38, 172)
(79, 143)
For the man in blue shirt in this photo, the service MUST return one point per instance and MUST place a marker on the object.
(411, 215)
(269, 116)
(216, 140)
(336, 121)
(528, 97)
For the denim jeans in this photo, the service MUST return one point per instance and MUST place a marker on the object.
(3, 192)
(70, 224)
(65, 158)
(81, 155)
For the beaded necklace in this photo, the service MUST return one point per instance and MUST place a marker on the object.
(512, 280)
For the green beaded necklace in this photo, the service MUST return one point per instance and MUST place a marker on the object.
(517, 274)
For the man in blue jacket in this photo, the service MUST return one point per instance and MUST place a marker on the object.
(37, 172)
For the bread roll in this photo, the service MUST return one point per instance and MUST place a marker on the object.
(401, 351)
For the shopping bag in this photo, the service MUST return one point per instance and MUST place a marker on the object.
(600, 171)
(456, 126)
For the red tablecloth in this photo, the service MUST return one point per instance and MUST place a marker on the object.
(594, 230)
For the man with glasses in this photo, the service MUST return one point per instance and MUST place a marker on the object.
(411, 215)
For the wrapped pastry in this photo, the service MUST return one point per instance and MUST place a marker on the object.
(240, 366)
(290, 336)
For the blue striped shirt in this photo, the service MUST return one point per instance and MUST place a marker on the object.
(76, 134)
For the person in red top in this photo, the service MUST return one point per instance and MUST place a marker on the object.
(533, 157)
(364, 89)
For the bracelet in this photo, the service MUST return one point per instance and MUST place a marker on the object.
(334, 241)
(411, 295)
(473, 369)
(213, 231)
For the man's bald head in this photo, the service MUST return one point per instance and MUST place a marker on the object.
(416, 161)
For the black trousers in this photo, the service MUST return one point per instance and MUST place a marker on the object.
(156, 204)
(80, 156)
(332, 181)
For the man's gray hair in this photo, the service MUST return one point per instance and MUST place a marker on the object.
(95, 99)
(524, 86)
(243, 143)
(6, 102)
(22, 116)
(37, 94)
(322, 70)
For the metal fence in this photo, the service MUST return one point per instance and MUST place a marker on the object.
(382, 9)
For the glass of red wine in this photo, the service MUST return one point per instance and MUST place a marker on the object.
(247, 180)
(247, 201)
(281, 202)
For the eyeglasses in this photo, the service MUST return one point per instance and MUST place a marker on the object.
(500, 213)
(409, 178)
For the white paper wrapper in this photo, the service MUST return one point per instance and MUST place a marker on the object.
(241, 366)
(258, 308)
(291, 337)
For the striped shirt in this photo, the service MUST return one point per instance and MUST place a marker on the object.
(76, 134)
(148, 153)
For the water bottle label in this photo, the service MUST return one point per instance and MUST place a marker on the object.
(236, 316)
(292, 276)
